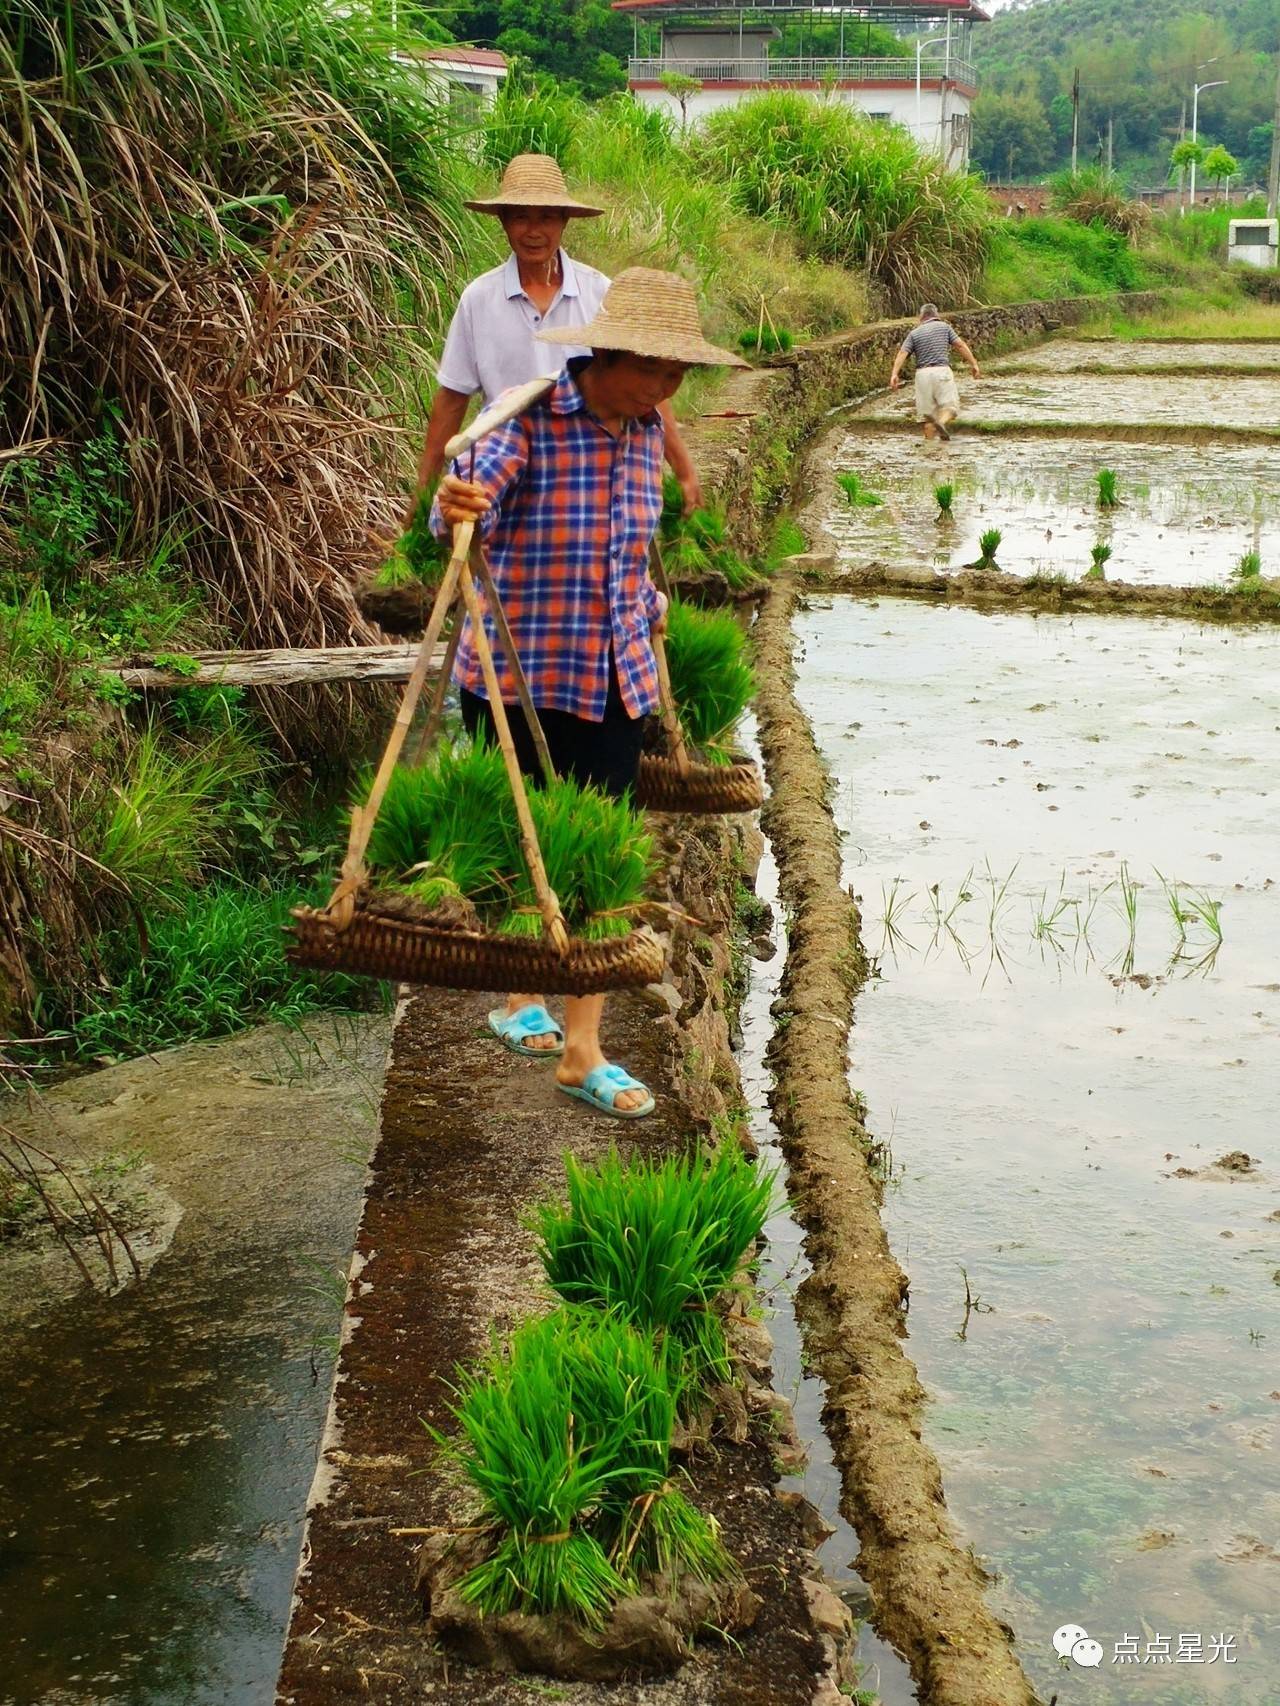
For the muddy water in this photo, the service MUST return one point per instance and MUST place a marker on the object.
(1067, 355)
(1084, 400)
(783, 1268)
(157, 1445)
(1059, 1048)
(1186, 514)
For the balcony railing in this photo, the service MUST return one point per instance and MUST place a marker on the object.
(836, 70)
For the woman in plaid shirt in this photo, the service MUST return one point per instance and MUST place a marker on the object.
(567, 497)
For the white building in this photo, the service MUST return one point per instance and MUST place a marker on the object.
(468, 76)
(733, 51)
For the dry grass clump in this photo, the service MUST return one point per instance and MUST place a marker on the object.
(1094, 196)
(216, 217)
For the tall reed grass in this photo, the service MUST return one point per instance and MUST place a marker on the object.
(853, 192)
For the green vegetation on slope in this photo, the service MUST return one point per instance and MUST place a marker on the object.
(1137, 61)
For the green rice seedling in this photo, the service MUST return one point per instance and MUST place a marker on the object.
(658, 1241)
(1107, 495)
(944, 492)
(454, 815)
(767, 341)
(1249, 567)
(566, 1437)
(417, 555)
(1099, 555)
(856, 494)
(598, 856)
(988, 545)
(711, 681)
(786, 540)
(1199, 905)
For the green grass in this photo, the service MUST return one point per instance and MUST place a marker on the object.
(659, 1242)
(208, 970)
(1209, 323)
(1047, 256)
(711, 680)
(566, 1438)
(857, 496)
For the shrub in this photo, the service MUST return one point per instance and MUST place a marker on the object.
(1045, 257)
(1094, 196)
(853, 192)
(566, 1438)
(658, 1242)
(711, 681)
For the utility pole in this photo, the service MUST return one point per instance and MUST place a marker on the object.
(1075, 122)
(1273, 176)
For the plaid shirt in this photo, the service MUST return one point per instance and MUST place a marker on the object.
(573, 511)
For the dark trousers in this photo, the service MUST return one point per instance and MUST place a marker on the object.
(605, 755)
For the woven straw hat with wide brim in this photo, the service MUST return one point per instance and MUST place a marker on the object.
(535, 180)
(648, 313)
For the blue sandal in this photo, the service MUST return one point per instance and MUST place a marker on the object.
(512, 1030)
(601, 1088)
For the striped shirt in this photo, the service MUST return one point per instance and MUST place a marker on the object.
(573, 512)
(492, 345)
(930, 342)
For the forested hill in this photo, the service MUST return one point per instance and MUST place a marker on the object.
(1137, 61)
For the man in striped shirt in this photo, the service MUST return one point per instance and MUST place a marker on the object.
(567, 496)
(931, 343)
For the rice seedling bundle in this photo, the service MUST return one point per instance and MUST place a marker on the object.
(988, 545)
(658, 1242)
(698, 544)
(856, 494)
(566, 1438)
(711, 681)
(944, 494)
(1249, 567)
(1100, 555)
(448, 827)
(768, 341)
(1107, 493)
(417, 555)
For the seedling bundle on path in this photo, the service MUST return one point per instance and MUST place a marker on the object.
(566, 1435)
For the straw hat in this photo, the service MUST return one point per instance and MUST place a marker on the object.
(534, 180)
(648, 313)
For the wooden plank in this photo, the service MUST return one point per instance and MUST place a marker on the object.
(272, 668)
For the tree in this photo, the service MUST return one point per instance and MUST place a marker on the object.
(681, 89)
(1011, 130)
(1220, 165)
(1183, 154)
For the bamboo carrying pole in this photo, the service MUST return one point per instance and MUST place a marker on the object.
(457, 579)
(547, 903)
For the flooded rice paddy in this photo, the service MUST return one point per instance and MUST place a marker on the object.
(1085, 400)
(1063, 834)
(1069, 355)
(1185, 517)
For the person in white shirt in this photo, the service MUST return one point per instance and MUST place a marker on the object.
(492, 343)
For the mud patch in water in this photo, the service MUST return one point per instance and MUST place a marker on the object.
(1104, 1407)
(1186, 516)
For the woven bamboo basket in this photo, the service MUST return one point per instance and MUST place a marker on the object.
(387, 943)
(663, 786)
(390, 936)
